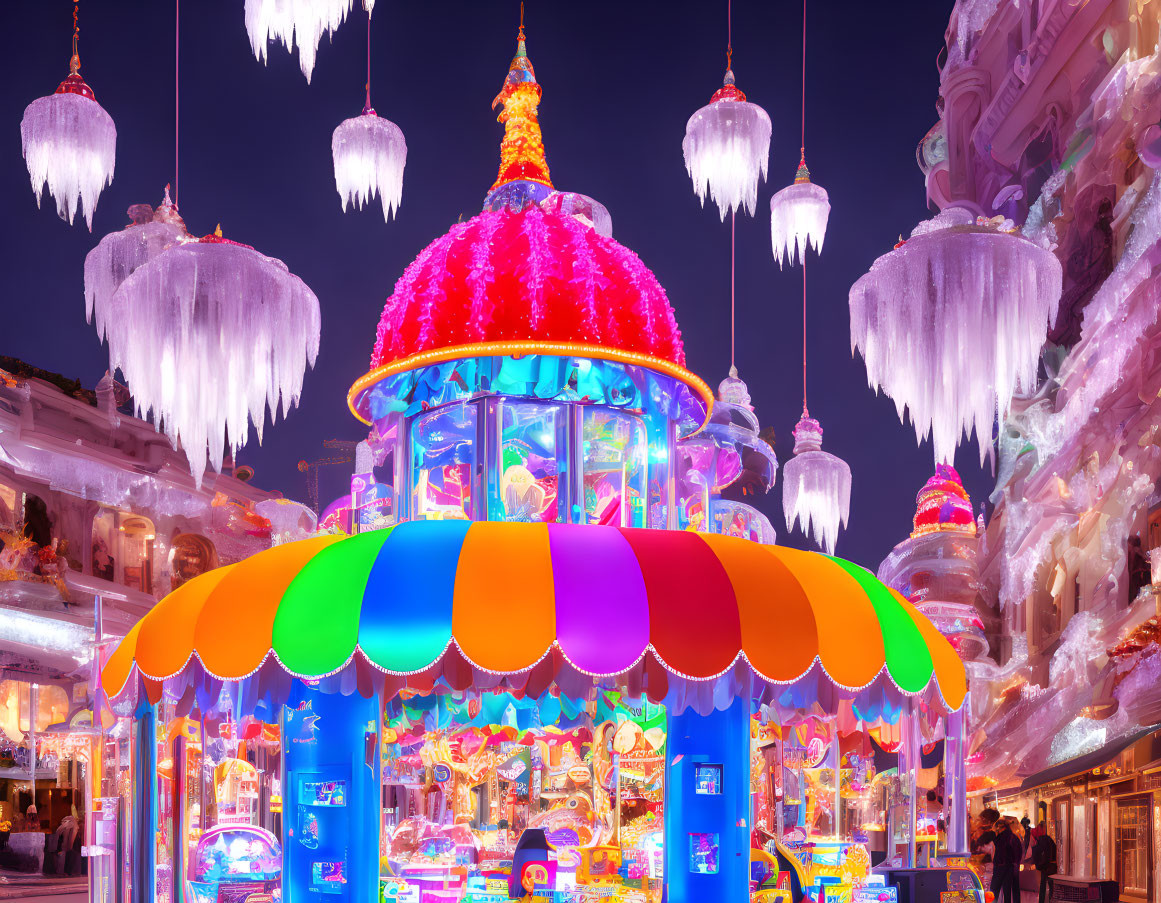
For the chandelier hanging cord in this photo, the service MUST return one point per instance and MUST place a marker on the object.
(176, 95)
(805, 411)
(75, 61)
(367, 103)
(729, 33)
(802, 163)
(802, 141)
(733, 215)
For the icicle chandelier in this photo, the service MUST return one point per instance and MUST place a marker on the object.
(301, 22)
(799, 212)
(798, 217)
(951, 323)
(70, 143)
(369, 152)
(727, 144)
(209, 333)
(816, 487)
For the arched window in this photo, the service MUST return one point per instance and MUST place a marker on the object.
(190, 555)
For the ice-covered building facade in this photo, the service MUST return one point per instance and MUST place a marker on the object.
(1048, 118)
(94, 504)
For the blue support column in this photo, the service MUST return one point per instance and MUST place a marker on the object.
(707, 818)
(145, 806)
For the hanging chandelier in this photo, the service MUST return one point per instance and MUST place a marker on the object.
(951, 323)
(369, 153)
(209, 334)
(69, 143)
(727, 149)
(301, 22)
(799, 212)
(816, 486)
(798, 217)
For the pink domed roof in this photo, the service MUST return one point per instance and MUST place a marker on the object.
(943, 504)
(535, 275)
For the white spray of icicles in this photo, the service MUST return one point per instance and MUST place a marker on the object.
(301, 22)
(209, 334)
(798, 217)
(369, 153)
(727, 148)
(70, 144)
(951, 323)
(816, 487)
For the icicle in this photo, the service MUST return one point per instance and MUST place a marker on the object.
(294, 21)
(70, 143)
(798, 217)
(727, 148)
(369, 154)
(816, 487)
(951, 323)
(209, 334)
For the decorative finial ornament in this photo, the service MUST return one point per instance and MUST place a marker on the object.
(803, 174)
(70, 143)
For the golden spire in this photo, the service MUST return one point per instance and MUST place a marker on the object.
(522, 148)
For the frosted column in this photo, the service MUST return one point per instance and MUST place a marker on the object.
(955, 782)
(909, 775)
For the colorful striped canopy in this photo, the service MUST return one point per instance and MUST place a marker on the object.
(507, 594)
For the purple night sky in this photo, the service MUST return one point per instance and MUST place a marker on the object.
(619, 82)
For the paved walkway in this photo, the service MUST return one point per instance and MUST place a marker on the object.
(15, 885)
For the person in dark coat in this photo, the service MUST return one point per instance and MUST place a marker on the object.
(1005, 861)
(1043, 857)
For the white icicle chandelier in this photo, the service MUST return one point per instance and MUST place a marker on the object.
(301, 22)
(69, 143)
(209, 333)
(816, 487)
(951, 324)
(798, 217)
(727, 149)
(369, 153)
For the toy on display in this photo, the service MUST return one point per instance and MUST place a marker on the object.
(237, 864)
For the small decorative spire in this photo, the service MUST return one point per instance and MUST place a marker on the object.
(803, 174)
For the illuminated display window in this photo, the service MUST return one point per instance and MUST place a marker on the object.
(707, 780)
(703, 854)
